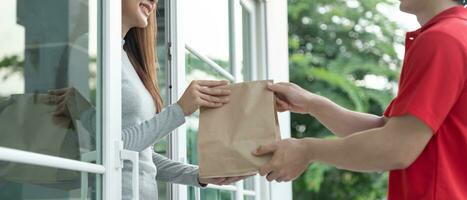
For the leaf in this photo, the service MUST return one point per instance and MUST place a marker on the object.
(338, 80)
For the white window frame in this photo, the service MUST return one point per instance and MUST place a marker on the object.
(276, 50)
(176, 71)
(260, 64)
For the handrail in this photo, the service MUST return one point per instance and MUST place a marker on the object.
(211, 63)
(20, 156)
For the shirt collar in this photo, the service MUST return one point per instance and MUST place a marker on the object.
(454, 12)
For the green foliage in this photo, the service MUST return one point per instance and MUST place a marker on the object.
(193, 63)
(334, 45)
(13, 64)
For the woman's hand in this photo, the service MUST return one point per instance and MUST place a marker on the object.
(221, 181)
(70, 103)
(204, 93)
(60, 97)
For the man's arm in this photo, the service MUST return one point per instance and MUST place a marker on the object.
(394, 146)
(342, 122)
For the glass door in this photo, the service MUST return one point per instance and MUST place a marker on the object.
(213, 39)
(55, 90)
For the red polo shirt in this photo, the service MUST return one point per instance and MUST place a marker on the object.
(433, 88)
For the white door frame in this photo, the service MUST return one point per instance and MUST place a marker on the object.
(276, 44)
(111, 63)
(176, 70)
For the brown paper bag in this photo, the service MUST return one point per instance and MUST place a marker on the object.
(227, 135)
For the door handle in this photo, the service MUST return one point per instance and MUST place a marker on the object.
(133, 157)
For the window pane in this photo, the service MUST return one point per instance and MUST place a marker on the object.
(208, 33)
(246, 45)
(249, 183)
(211, 194)
(27, 182)
(52, 44)
(248, 197)
(217, 194)
(247, 65)
(196, 69)
(161, 49)
(191, 193)
(207, 29)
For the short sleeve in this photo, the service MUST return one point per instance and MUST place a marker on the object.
(432, 80)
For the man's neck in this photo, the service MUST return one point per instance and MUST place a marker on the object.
(430, 12)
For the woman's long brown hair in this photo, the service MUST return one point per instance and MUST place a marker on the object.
(140, 46)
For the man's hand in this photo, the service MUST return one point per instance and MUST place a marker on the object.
(341, 121)
(292, 97)
(221, 181)
(290, 158)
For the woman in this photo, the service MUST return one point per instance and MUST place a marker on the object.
(144, 122)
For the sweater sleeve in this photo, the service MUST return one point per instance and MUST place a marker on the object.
(175, 172)
(143, 135)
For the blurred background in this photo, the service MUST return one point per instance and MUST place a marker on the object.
(350, 51)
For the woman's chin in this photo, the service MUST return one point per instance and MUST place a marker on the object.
(142, 22)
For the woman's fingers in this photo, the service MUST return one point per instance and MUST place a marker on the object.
(59, 91)
(217, 181)
(211, 83)
(235, 179)
(209, 104)
(215, 91)
(53, 99)
(61, 110)
(226, 181)
(231, 180)
(214, 99)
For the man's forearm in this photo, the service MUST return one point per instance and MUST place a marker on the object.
(343, 122)
(367, 151)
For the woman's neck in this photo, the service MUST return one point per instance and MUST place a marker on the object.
(125, 30)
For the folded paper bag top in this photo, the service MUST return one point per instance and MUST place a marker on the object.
(228, 135)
